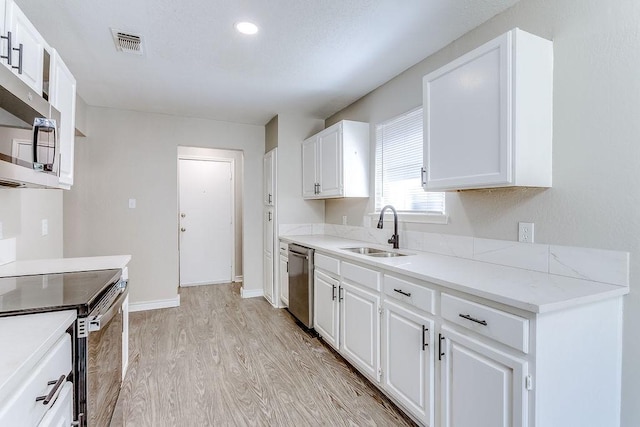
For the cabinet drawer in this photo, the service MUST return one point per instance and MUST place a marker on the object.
(361, 275)
(22, 409)
(504, 327)
(328, 264)
(410, 293)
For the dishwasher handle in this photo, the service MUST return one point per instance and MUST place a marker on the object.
(298, 254)
(103, 319)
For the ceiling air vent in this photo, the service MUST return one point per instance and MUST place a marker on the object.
(127, 42)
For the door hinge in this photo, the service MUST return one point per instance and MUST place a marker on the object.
(528, 382)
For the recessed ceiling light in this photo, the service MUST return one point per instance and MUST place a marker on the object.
(246, 27)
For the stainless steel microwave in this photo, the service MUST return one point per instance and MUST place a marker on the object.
(29, 146)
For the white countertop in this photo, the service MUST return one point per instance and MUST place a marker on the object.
(63, 265)
(28, 337)
(524, 289)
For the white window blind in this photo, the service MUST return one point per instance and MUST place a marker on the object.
(398, 164)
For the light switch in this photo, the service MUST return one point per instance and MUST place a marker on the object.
(45, 227)
(132, 203)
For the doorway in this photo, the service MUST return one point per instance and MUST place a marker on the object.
(206, 220)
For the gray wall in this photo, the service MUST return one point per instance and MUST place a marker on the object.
(292, 209)
(134, 155)
(21, 215)
(595, 201)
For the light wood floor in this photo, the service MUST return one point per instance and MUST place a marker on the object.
(221, 360)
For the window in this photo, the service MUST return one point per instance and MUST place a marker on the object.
(398, 165)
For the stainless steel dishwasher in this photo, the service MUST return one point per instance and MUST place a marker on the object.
(301, 284)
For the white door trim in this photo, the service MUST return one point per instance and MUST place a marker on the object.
(232, 165)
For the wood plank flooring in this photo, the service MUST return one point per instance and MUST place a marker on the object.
(220, 360)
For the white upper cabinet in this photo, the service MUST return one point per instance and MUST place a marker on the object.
(63, 98)
(335, 162)
(27, 56)
(488, 116)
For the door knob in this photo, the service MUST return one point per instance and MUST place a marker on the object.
(183, 229)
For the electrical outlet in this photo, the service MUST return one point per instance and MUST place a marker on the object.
(344, 220)
(525, 232)
(45, 227)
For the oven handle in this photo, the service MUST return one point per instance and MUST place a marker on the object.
(101, 320)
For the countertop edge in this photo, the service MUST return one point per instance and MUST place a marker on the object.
(63, 265)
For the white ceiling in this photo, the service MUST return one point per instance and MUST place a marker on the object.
(310, 56)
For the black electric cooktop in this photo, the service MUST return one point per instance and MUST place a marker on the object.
(53, 292)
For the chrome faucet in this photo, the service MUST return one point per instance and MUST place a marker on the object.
(395, 239)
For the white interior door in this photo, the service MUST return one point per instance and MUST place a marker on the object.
(206, 221)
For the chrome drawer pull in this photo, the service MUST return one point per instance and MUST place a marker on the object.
(400, 291)
(468, 317)
(46, 399)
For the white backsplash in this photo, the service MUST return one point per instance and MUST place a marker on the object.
(590, 264)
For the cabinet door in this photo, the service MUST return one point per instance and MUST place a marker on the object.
(360, 328)
(284, 280)
(329, 151)
(61, 413)
(33, 44)
(268, 169)
(309, 169)
(466, 108)
(408, 356)
(268, 277)
(481, 386)
(63, 98)
(268, 254)
(325, 307)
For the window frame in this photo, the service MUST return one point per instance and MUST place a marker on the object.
(430, 217)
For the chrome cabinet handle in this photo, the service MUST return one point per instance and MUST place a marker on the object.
(400, 291)
(182, 215)
(270, 198)
(20, 50)
(425, 344)
(468, 317)
(46, 399)
(183, 229)
(9, 50)
(333, 293)
(440, 352)
(269, 216)
(423, 176)
(340, 293)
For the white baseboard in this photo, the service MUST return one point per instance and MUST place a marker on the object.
(187, 285)
(251, 293)
(238, 279)
(153, 305)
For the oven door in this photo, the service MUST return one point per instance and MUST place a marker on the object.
(104, 365)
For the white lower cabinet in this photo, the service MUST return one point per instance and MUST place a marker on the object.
(326, 307)
(284, 279)
(408, 360)
(61, 414)
(481, 386)
(360, 328)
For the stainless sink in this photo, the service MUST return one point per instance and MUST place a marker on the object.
(379, 253)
